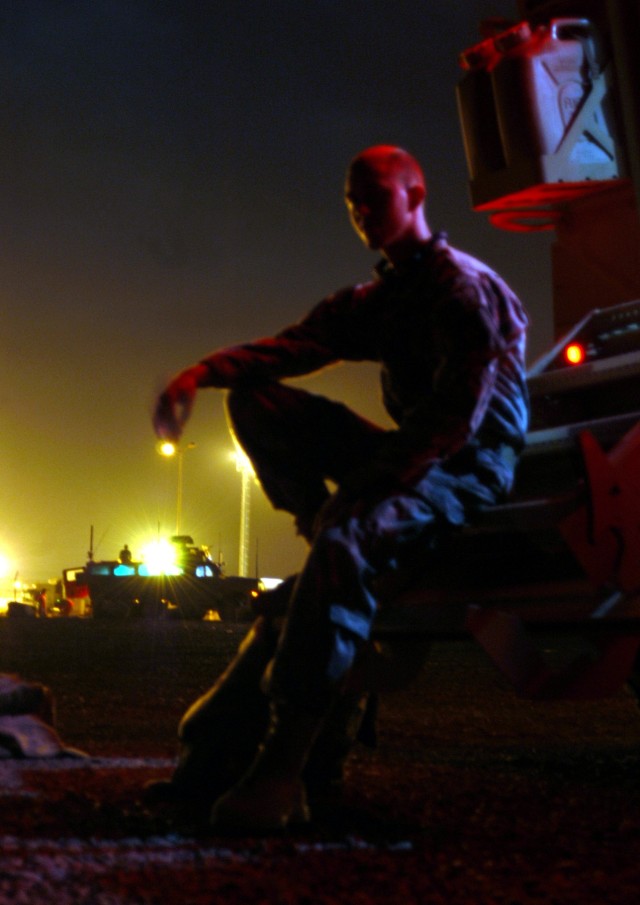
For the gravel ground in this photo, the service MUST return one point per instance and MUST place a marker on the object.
(472, 795)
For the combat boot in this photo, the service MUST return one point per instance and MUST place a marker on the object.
(220, 733)
(342, 727)
(271, 795)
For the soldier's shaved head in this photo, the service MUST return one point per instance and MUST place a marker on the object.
(392, 161)
(385, 193)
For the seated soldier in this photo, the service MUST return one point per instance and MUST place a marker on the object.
(449, 336)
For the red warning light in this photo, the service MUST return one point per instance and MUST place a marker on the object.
(574, 354)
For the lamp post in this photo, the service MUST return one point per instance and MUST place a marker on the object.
(173, 449)
(245, 468)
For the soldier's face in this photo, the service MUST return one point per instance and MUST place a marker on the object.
(379, 207)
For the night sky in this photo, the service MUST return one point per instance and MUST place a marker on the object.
(172, 178)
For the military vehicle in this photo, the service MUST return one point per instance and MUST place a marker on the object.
(192, 587)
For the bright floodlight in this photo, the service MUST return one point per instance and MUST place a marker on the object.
(159, 558)
(167, 448)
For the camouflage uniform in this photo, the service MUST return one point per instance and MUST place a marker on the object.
(449, 335)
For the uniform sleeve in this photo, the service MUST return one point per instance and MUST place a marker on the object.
(318, 340)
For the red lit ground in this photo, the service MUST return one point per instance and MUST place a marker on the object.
(472, 796)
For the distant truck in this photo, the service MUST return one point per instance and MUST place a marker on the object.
(194, 588)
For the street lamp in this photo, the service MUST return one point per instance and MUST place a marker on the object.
(169, 449)
(244, 466)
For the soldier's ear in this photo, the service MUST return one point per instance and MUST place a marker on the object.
(416, 195)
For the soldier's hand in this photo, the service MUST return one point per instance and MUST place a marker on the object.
(175, 403)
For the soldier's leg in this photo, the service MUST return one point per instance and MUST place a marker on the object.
(219, 734)
(297, 441)
(329, 621)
